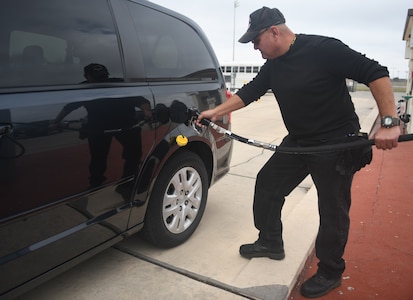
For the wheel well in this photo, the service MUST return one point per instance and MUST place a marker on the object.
(205, 154)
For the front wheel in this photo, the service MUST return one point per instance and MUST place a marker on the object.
(178, 200)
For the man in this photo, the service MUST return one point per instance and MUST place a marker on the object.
(307, 75)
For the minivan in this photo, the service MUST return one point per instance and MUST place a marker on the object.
(96, 142)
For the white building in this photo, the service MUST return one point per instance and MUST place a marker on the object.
(239, 73)
(407, 36)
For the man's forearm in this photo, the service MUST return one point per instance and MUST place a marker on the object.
(233, 103)
(385, 138)
(383, 94)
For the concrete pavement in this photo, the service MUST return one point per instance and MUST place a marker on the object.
(208, 265)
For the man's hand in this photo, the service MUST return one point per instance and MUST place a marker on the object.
(207, 114)
(387, 138)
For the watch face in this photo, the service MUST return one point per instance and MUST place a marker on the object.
(387, 121)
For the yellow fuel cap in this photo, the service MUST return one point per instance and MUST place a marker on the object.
(181, 140)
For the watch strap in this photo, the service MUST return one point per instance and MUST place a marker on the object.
(390, 121)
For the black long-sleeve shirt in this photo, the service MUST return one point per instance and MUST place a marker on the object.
(309, 85)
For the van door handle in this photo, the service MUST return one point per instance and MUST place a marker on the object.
(6, 129)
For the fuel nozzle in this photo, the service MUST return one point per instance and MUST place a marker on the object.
(193, 114)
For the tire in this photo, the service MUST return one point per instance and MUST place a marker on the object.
(178, 201)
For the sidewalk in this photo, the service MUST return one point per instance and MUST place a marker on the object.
(379, 252)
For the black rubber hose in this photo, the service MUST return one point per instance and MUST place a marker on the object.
(300, 150)
(336, 147)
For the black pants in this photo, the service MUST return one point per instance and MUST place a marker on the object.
(281, 174)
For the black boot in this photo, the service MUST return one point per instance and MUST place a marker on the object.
(258, 250)
(318, 286)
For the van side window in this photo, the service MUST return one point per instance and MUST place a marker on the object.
(51, 43)
(171, 48)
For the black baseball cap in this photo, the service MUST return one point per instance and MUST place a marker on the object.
(261, 19)
(97, 71)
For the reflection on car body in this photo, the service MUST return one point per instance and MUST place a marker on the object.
(88, 131)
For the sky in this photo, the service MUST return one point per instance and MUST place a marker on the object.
(374, 28)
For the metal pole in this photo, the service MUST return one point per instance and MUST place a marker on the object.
(236, 4)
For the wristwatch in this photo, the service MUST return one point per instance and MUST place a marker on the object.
(389, 121)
